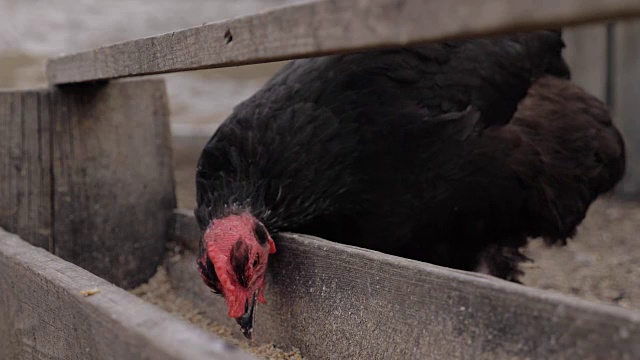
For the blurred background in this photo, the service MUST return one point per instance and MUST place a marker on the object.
(602, 264)
(32, 30)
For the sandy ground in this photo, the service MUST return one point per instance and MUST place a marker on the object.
(602, 263)
(158, 291)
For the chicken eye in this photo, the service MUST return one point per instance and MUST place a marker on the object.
(597, 157)
(256, 261)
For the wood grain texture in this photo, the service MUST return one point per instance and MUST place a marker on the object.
(339, 302)
(626, 101)
(25, 171)
(44, 316)
(327, 27)
(586, 54)
(112, 165)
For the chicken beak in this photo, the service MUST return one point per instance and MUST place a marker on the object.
(246, 320)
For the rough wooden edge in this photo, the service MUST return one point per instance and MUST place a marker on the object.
(327, 27)
(332, 300)
(44, 314)
(39, 89)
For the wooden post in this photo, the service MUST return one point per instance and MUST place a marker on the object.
(626, 101)
(586, 54)
(86, 173)
(113, 178)
(25, 174)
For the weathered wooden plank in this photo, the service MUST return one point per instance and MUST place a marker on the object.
(626, 104)
(339, 302)
(25, 176)
(586, 54)
(114, 190)
(326, 27)
(44, 316)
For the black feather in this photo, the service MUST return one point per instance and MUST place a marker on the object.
(418, 152)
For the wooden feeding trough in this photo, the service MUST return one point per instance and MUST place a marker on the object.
(88, 201)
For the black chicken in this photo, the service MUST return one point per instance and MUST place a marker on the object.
(452, 153)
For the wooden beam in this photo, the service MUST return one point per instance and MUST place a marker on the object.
(112, 167)
(342, 302)
(626, 107)
(43, 315)
(327, 27)
(25, 171)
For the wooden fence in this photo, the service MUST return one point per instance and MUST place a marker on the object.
(605, 60)
(86, 174)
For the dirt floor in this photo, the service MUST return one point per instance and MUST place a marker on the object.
(602, 263)
(158, 291)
